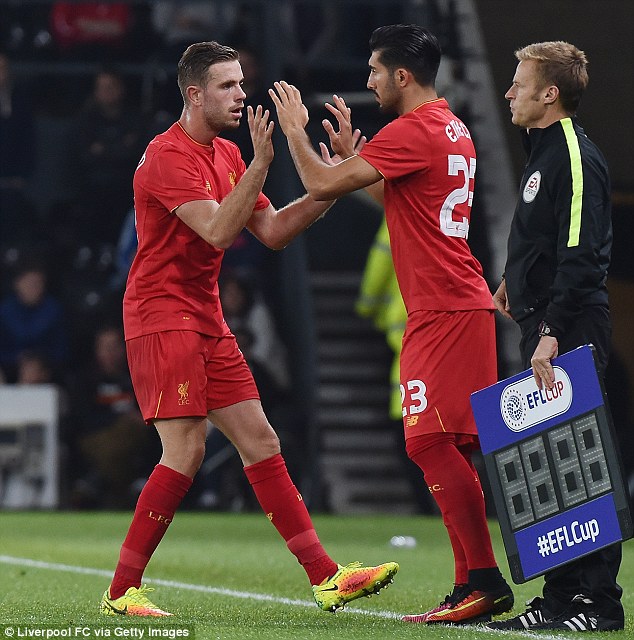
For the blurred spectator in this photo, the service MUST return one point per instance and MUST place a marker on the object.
(245, 310)
(17, 157)
(31, 318)
(110, 140)
(109, 443)
(272, 387)
(124, 252)
(33, 368)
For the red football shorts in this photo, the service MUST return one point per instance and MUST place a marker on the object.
(446, 356)
(179, 374)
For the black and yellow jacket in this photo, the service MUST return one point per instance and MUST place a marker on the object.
(561, 234)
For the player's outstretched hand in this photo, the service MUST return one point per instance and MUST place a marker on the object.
(292, 114)
(344, 142)
(261, 133)
(358, 141)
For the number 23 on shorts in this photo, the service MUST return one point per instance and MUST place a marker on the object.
(413, 399)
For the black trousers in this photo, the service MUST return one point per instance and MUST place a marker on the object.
(594, 575)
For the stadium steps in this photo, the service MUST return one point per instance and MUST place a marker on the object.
(362, 471)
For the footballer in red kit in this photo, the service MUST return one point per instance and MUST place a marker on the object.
(173, 281)
(193, 196)
(428, 163)
(421, 167)
(429, 180)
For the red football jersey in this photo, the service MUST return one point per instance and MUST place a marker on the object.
(173, 281)
(428, 161)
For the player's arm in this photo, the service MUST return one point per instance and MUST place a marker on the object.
(220, 223)
(277, 227)
(321, 180)
(376, 192)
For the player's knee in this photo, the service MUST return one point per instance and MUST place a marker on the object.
(194, 460)
(269, 442)
(188, 458)
(261, 445)
(196, 453)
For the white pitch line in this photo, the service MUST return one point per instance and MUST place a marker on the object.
(243, 595)
(232, 593)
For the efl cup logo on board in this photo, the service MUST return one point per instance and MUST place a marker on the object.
(523, 404)
(513, 408)
(532, 187)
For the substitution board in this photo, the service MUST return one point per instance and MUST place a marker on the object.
(553, 465)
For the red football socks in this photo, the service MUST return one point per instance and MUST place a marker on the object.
(285, 508)
(458, 493)
(461, 569)
(154, 511)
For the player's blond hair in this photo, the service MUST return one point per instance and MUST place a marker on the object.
(561, 64)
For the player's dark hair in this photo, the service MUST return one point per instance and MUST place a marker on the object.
(196, 60)
(408, 46)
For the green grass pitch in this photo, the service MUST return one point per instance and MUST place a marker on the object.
(230, 577)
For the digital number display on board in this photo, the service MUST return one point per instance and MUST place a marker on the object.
(553, 466)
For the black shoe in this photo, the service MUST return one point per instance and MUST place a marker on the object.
(580, 615)
(534, 616)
